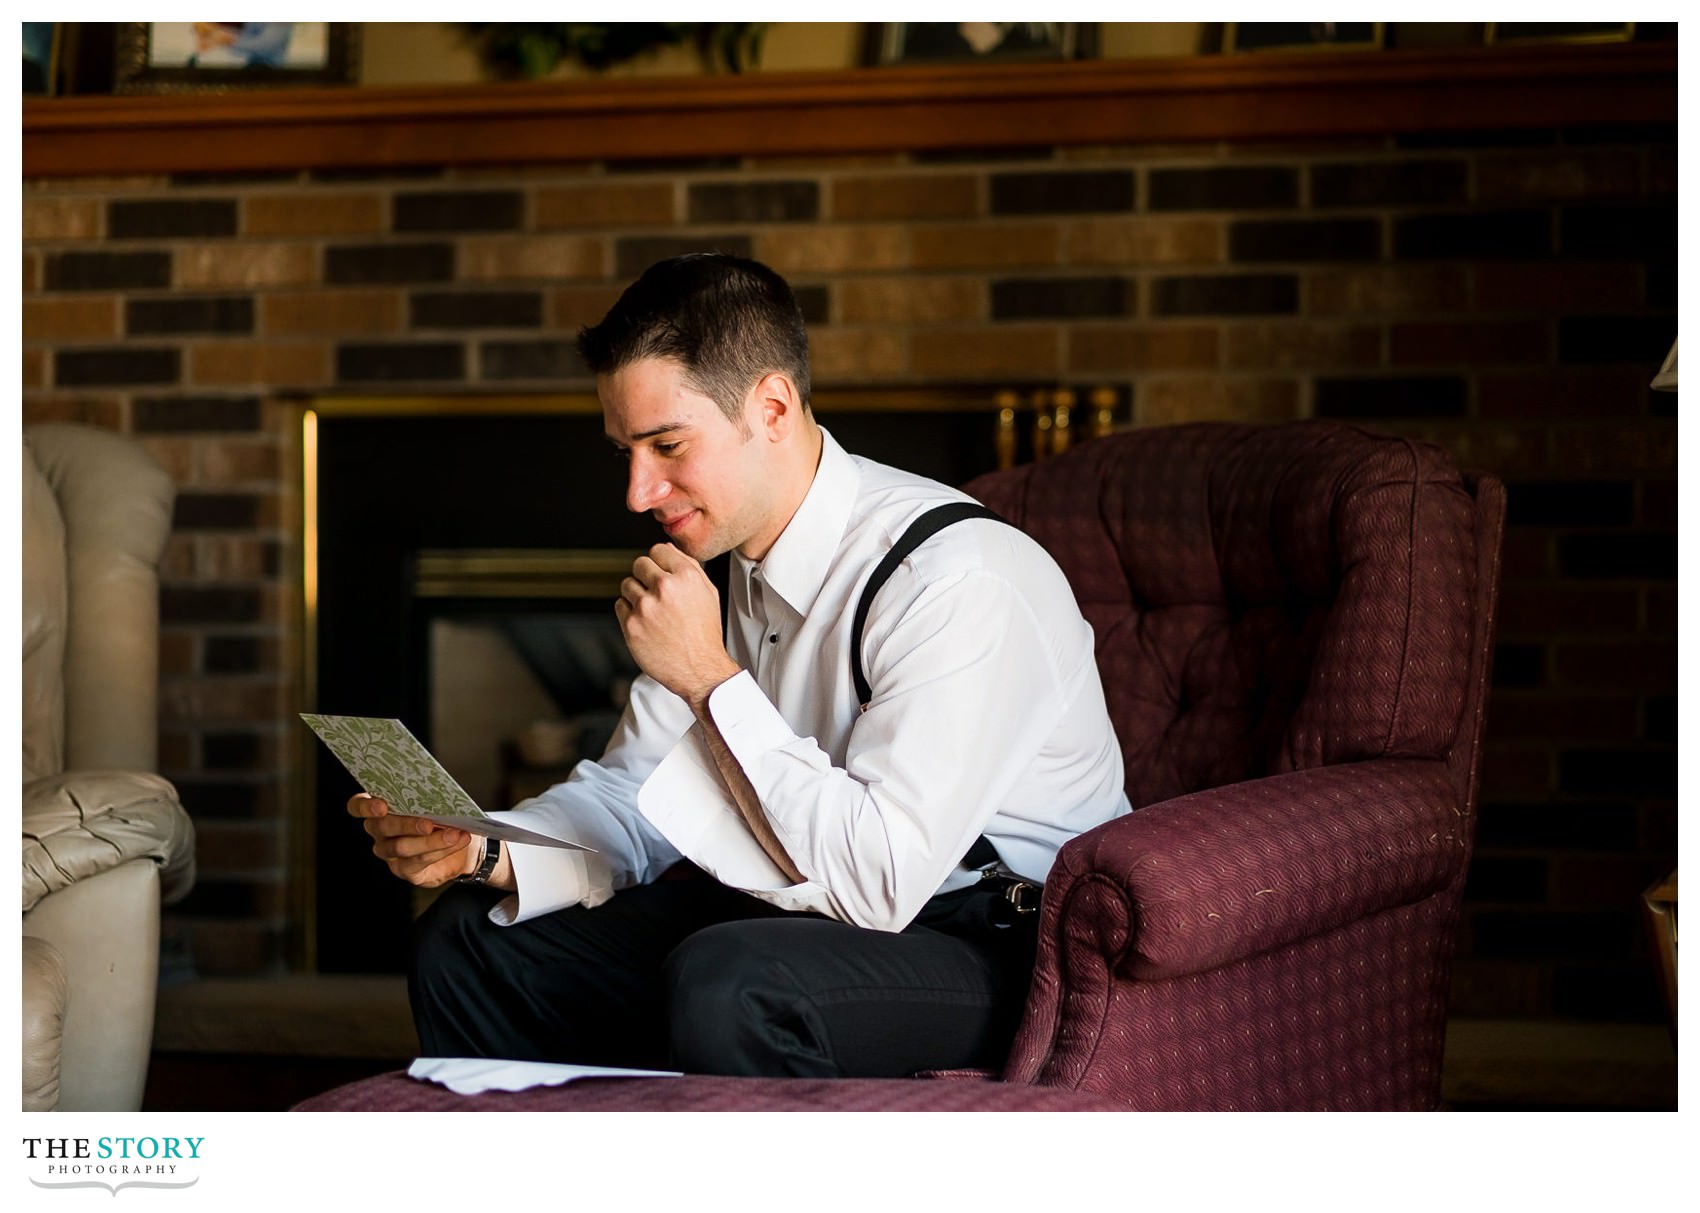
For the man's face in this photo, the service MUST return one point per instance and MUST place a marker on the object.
(706, 481)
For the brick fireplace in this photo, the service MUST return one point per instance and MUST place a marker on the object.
(1506, 292)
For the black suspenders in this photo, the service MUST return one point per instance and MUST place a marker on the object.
(921, 530)
(981, 854)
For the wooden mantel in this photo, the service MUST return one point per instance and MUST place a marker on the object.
(1220, 97)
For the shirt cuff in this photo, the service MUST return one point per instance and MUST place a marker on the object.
(748, 722)
(549, 879)
(685, 799)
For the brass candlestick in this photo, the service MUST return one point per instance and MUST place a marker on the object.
(1062, 405)
(1103, 411)
(1005, 441)
(1040, 401)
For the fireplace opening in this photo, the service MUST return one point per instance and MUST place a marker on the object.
(524, 675)
(516, 699)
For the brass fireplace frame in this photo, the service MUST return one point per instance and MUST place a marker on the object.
(301, 799)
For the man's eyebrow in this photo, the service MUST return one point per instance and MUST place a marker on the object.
(669, 428)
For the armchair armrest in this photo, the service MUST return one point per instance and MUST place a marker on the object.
(45, 995)
(1210, 878)
(80, 823)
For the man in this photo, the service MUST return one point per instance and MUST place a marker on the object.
(836, 931)
(241, 43)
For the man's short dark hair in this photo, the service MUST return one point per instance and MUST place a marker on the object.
(726, 320)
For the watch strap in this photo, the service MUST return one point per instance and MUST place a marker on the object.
(487, 865)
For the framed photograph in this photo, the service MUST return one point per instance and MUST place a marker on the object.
(1406, 35)
(41, 57)
(981, 42)
(1521, 32)
(1305, 35)
(215, 56)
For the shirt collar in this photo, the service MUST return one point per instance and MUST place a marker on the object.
(795, 567)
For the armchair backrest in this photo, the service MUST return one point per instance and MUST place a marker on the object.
(1265, 598)
(96, 514)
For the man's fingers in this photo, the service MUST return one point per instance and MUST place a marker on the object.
(427, 874)
(400, 826)
(432, 874)
(650, 572)
(670, 558)
(364, 804)
(426, 860)
(413, 846)
(420, 852)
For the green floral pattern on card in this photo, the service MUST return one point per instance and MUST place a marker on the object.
(389, 762)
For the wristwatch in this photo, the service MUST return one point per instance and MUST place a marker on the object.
(486, 866)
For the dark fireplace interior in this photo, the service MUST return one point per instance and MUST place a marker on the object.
(472, 532)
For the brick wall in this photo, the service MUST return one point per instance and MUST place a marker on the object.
(1509, 296)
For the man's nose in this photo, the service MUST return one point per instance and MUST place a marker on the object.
(645, 487)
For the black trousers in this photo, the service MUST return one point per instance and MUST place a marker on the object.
(690, 975)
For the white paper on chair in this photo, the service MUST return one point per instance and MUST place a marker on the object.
(474, 1075)
(392, 764)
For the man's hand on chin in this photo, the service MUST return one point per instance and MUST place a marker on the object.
(669, 612)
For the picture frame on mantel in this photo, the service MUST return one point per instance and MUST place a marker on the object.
(1529, 33)
(941, 42)
(41, 57)
(1242, 37)
(220, 56)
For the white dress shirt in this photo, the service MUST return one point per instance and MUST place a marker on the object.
(987, 716)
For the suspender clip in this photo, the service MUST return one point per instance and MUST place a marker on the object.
(1023, 896)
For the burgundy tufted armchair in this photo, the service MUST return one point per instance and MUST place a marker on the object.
(1293, 627)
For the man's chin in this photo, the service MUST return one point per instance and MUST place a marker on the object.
(699, 547)
(701, 552)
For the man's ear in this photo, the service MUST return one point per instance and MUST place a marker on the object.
(778, 406)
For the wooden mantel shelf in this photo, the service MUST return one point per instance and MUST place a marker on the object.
(1221, 97)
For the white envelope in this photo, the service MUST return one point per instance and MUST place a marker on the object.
(472, 1075)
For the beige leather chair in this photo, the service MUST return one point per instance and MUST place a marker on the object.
(104, 839)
